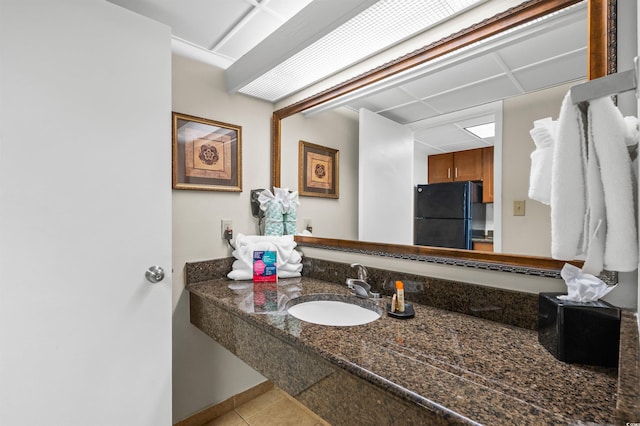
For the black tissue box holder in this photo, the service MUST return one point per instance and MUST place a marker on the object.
(579, 332)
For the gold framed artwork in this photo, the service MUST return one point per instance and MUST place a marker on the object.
(317, 170)
(207, 154)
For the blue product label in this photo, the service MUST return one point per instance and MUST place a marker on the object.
(269, 258)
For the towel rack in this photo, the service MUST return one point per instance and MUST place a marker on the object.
(599, 88)
(609, 85)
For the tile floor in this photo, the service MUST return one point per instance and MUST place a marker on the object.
(272, 408)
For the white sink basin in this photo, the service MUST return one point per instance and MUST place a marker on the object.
(333, 312)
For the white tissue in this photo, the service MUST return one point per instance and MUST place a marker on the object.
(582, 287)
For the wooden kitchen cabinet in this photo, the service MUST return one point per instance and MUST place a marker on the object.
(440, 168)
(472, 164)
(487, 175)
(482, 246)
(467, 165)
(456, 166)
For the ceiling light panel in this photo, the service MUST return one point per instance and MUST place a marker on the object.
(483, 131)
(382, 25)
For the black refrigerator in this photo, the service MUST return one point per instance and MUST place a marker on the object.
(449, 214)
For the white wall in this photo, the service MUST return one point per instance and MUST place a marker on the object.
(529, 234)
(204, 373)
(331, 218)
(420, 164)
(636, 52)
(385, 173)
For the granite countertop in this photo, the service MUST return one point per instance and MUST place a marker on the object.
(483, 371)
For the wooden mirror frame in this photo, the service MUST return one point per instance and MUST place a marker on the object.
(602, 56)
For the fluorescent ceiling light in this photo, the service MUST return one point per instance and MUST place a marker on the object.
(382, 25)
(483, 131)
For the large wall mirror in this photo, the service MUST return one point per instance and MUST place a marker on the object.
(575, 35)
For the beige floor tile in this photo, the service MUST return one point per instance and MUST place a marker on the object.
(319, 420)
(230, 419)
(283, 412)
(249, 408)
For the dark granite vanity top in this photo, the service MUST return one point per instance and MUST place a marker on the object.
(476, 370)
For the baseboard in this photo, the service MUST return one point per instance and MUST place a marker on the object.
(215, 411)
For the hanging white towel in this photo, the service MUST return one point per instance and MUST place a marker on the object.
(607, 131)
(568, 192)
(543, 135)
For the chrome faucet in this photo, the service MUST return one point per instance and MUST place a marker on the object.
(360, 286)
(362, 271)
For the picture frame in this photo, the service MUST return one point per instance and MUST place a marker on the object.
(318, 170)
(207, 154)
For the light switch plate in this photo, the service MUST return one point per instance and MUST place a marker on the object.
(518, 208)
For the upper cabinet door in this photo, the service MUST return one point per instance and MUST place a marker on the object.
(467, 165)
(487, 172)
(472, 164)
(440, 168)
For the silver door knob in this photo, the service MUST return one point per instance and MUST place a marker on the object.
(154, 274)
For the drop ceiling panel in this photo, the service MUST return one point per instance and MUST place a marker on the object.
(549, 74)
(411, 112)
(453, 146)
(481, 93)
(384, 100)
(547, 44)
(428, 150)
(448, 133)
(261, 24)
(285, 8)
(454, 76)
(202, 22)
(468, 145)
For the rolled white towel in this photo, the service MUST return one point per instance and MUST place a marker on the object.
(287, 267)
(541, 160)
(283, 245)
(243, 274)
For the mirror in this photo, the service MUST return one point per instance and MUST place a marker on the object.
(600, 48)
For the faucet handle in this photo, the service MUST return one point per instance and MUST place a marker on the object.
(362, 271)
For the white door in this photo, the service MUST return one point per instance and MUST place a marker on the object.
(85, 208)
(385, 180)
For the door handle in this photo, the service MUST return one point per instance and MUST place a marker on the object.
(154, 274)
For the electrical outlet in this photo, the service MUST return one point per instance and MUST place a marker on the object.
(518, 208)
(227, 225)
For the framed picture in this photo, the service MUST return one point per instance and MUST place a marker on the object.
(207, 154)
(317, 170)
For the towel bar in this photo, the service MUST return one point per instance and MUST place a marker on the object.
(608, 85)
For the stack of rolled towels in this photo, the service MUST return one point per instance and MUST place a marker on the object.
(279, 210)
(289, 260)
